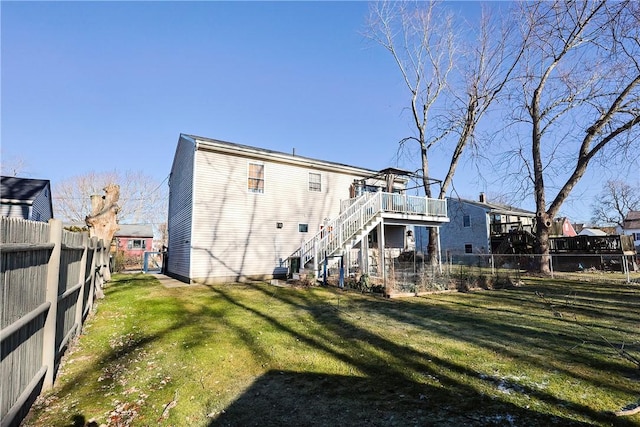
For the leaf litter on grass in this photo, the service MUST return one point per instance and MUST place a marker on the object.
(219, 355)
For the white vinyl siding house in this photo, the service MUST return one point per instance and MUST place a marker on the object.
(236, 212)
(631, 227)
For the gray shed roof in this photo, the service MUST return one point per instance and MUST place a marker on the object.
(21, 190)
(497, 207)
(134, 230)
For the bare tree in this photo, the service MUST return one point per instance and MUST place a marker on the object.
(483, 69)
(614, 202)
(443, 77)
(142, 200)
(577, 97)
(420, 38)
(13, 166)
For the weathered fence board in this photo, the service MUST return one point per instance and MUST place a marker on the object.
(48, 279)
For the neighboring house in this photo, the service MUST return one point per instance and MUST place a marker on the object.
(239, 213)
(26, 198)
(631, 227)
(134, 239)
(562, 227)
(481, 227)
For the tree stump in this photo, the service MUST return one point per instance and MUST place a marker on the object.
(103, 223)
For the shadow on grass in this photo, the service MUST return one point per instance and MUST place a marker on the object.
(280, 398)
(122, 354)
(395, 382)
(388, 386)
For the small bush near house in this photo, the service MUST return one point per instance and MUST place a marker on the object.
(123, 262)
(118, 261)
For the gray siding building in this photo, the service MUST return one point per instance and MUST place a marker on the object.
(478, 227)
(25, 198)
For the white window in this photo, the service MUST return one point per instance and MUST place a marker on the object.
(315, 182)
(255, 182)
(136, 244)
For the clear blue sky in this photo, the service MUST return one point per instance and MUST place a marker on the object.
(111, 85)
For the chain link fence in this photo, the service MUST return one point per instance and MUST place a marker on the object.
(409, 274)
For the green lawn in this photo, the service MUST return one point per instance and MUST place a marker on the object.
(546, 353)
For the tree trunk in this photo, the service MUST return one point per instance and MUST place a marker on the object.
(432, 257)
(543, 225)
(103, 222)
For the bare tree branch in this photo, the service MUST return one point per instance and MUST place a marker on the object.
(580, 84)
(615, 201)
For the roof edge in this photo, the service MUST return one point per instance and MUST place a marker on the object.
(231, 147)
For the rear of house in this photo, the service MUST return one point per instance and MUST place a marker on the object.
(239, 213)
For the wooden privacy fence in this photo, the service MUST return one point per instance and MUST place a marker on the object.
(49, 282)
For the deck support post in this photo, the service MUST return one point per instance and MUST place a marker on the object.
(383, 267)
(438, 250)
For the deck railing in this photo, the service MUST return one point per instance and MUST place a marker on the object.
(359, 212)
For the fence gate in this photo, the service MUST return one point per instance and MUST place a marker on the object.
(152, 262)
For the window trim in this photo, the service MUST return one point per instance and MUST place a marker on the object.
(132, 247)
(301, 226)
(256, 190)
(466, 221)
(314, 183)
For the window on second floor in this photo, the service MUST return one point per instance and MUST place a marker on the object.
(466, 221)
(136, 244)
(255, 183)
(315, 182)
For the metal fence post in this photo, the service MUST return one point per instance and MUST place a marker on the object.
(49, 349)
(625, 267)
(493, 263)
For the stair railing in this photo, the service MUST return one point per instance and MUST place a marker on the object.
(335, 232)
(358, 213)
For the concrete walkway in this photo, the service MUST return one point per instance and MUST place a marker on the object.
(169, 282)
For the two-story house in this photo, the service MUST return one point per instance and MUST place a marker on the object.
(482, 227)
(239, 213)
